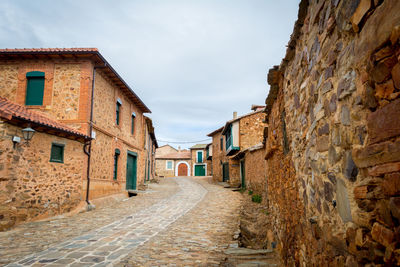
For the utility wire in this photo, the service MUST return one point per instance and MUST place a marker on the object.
(183, 142)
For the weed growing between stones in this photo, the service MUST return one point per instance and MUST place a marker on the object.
(256, 198)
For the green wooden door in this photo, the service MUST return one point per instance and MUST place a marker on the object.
(131, 172)
(242, 174)
(225, 172)
(200, 170)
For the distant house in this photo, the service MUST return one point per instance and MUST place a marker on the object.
(150, 146)
(43, 176)
(199, 159)
(171, 162)
(233, 149)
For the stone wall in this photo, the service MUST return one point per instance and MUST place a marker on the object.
(9, 81)
(333, 137)
(32, 187)
(255, 173)
(251, 130)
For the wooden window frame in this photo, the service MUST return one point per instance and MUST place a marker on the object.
(62, 154)
(172, 165)
(133, 117)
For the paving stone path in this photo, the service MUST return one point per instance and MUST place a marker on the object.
(107, 245)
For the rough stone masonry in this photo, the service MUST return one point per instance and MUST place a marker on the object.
(333, 137)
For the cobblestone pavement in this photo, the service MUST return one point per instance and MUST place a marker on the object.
(197, 239)
(176, 234)
(35, 237)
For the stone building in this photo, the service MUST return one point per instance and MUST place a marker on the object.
(232, 143)
(79, 88)
(332, 142)
(199, 160)
(171, 162)
(150, 147)
(43, 176)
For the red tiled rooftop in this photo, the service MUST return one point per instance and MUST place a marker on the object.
(176, 155)
(12, 111)
(28, 50)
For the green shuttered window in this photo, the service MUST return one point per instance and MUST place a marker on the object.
(116, 156)
(200, 156)
(57, 153)
(34, 88)
(117, 113)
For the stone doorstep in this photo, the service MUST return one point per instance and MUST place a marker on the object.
(247, 251)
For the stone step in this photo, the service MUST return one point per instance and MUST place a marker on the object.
(247, 251)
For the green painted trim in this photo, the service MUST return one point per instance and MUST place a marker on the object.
(37, 74)
(132, 153)
(117, 151)
(62, 152)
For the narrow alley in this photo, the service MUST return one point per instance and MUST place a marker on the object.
(178, 221)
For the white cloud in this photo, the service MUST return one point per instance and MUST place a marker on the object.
(193, 62)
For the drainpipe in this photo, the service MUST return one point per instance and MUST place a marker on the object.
(88, 145)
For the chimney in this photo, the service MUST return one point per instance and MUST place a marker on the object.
(234, 114)
(179, 148)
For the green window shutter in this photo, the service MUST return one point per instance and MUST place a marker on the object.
(57, 153)
(117, 113)
(34, 88)
(115, 166)
(199, 156)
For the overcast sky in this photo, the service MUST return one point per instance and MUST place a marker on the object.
(192, 62)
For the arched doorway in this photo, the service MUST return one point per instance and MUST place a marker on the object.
(182, 169)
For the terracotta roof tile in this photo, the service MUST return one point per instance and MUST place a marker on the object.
(176, 155)
(13, 111)
(27, 50)
(199, 146)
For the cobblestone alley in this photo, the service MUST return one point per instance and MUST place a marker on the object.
(178, 222)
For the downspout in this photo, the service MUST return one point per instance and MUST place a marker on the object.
(88, 145)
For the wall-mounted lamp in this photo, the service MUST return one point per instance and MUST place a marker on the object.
(27, 133)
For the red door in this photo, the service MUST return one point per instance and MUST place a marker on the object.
(182, 169)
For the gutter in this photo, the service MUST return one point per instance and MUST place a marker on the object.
(87, 148)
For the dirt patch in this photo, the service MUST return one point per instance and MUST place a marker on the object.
(255, 224)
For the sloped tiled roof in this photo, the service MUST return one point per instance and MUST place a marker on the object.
(92, 53)
(25, 50)
(185, 154)
(240, 117)
(199, 146)
(216, 131)
(13, 112)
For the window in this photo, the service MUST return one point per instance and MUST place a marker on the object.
(169, 165)
(199, 156)
(133, 123)
(34, 88)
(221, 144)
(116, 156)
(57, 153)
(118, 111)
